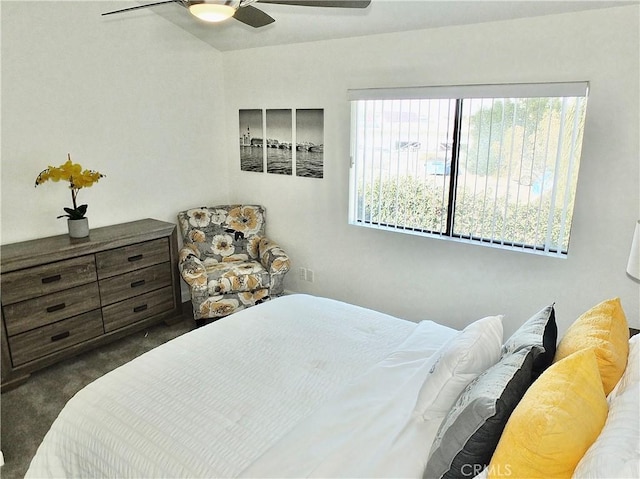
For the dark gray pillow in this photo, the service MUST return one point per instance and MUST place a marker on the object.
(471, 430)
(539, 333)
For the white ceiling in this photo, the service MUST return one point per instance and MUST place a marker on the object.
(296, 24)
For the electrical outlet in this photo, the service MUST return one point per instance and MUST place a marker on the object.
(306, 274)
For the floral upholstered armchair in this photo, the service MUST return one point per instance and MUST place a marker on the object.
(227, 261)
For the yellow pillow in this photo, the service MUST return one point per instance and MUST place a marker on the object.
(556, 421)
(603, 328)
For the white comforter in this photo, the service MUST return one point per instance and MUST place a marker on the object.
(237, 397)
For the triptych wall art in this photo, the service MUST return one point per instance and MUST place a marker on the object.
(282, 141)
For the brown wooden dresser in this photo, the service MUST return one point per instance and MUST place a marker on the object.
(62, 296)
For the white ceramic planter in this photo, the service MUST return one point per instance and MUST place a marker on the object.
(78, 228)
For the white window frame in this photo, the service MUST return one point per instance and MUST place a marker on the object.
(466, 93)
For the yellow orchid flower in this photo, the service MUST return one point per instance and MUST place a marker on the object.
(77, 178)
(55, 174)
(70, 169)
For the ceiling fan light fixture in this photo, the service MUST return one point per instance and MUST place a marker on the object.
(214, 11)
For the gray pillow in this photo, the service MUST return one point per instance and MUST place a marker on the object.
(540, 333)
(471, 430)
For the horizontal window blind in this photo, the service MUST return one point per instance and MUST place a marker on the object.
(508, 90)
(499, 170)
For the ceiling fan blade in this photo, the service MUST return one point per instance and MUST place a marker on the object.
(142, 6)
(253, 17)
(322, 3)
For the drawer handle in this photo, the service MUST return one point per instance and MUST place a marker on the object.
(60, 336)
(135, 284)
(137, 257)
(56, 307)
(51, 279)
(140, 308)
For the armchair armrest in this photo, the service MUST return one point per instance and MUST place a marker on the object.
(272, 257)
(191, 268)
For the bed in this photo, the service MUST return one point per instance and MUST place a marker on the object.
(302, 386)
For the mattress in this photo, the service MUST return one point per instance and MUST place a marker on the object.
(230, 398)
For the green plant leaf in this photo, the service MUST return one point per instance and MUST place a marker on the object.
(75, 214)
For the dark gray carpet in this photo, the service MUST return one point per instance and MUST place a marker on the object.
(29, 410)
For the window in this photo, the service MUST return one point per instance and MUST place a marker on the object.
(496, 164)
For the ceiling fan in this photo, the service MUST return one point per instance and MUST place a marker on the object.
(241, 10)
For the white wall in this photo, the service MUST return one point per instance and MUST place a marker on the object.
(139, 100)
(415, 277)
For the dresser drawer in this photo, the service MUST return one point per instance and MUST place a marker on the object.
(129, 258)
(48, 278)
(48, 339)
(33, 313)
(136, 309)
(135, 283)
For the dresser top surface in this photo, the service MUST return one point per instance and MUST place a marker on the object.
(55, 248)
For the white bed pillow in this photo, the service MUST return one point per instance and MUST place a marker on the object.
(616, 451)
(630, 379)
(460, 360)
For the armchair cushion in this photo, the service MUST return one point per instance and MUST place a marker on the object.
(236, 277)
